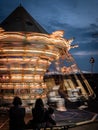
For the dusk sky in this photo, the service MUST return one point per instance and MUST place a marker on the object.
(78, 18)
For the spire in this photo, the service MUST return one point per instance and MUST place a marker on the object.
(20, 5)
(21, 20)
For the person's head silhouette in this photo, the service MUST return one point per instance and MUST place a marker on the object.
(17, 101)
(39, 103)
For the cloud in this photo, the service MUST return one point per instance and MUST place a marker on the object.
(85, 53)
(75, 13)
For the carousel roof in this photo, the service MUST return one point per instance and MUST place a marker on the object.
(21, 20)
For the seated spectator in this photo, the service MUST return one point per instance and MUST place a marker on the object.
(41, 117)
(38, 115)
(16, 115)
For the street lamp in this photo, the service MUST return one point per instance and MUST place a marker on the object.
(92, 61)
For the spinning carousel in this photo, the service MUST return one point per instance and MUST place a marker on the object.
(24, 59)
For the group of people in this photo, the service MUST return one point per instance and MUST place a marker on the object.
(41, 116)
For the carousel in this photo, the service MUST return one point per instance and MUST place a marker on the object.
(24, 61)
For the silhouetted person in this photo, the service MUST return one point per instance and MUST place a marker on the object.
(16, 115)
(41, 116)
(38, 114)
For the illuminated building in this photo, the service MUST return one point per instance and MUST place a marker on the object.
(26, 51)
